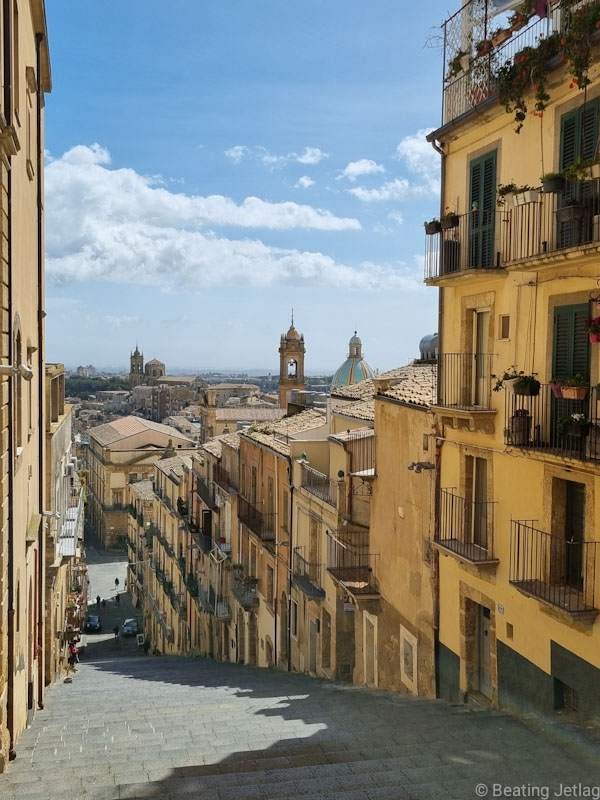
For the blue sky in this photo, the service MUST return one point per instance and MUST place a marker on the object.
(212, 164)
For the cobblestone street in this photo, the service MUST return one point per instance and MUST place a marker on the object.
(135, 726)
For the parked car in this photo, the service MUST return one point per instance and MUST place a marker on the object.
(129, 627)
(93, 624)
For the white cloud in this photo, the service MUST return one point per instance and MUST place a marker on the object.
(121, 321)
(396, 216)
(113, 225)
(397, 189)
(310, 156)
(81, 181)
(237, 153)
(364, 166)
(421, 159)
(304, 182)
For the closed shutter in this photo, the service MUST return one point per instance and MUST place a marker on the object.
(569, 139)
(571, 354)
(482, 216)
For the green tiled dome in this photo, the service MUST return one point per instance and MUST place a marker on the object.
(354, 368)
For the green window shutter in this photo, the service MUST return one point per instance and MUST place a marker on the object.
(483, 205)
(589, 130)
(571, 353)
(569, 139)
(475, 184)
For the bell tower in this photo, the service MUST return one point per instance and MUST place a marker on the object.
(136, 368)
(291, 363)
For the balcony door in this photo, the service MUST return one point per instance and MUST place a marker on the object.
(476, 508)
(482, 205)
(570, 357)
(574, 527)
(480, 371)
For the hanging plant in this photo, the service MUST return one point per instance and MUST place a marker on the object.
(460, 63)
(577, 42)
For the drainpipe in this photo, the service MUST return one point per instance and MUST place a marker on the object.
(41, 429)
(290, 552)
(11, 487)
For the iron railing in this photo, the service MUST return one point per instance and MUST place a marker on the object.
(319, 484)
(463, 31)
(244, 589)
(556, 570)
(465, 380)
(305, 569)
(555, 221)
(206, 492)
(261, 524)
(478, 241)
(565, 427)
(466, 527)
(361, 447)
(350, 561)
(223, 477)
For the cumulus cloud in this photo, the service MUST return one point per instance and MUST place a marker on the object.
(397, 189)
(356, 169)
(114, 225)
(304, 182)
(421, 159)
(310, 156)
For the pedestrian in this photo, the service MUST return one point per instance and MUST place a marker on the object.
(97, 601)
(116, 631)
(118, 600)
(73, 657)
(146, 646)
(116, 583)
(103, 603)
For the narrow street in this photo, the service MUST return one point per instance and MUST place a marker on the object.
(132, 726)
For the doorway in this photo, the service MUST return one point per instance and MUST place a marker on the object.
(484, 653)
(312, 647)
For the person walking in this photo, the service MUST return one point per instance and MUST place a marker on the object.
(116, 631)
(118, 600)
(97, 601)
(116, 583)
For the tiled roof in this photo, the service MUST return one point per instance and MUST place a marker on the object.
(213, 446)
(174, 465)
(276, 435)
(361, 409)
(143, 489)
(124, 427)
(231, 440)
(365, 389)
(225, 386)
(418, 388)
(249, 413)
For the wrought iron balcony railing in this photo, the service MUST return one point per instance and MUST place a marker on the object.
(466, 527)
(361, 446)
(557, 570)
(350, 562)
(465, 381)
(206, 492)
(320, 485)
(223, 478)
(307, 576)
(244, 589)
(478, 241)
(471, 83)
(564, 426)
(261, 524)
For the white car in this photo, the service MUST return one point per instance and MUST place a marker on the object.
(129, 627)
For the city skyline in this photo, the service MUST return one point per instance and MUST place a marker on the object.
(296, 179)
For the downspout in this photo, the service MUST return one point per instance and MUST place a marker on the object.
(41, 428)
(290, 552)
(276, 576)
(7, 35)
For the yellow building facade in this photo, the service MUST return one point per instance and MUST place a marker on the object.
(517, 270)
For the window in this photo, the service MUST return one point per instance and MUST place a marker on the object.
(571, 353)
(117, 497)
(294, 619)
(16, 69)
(482, 205)
(504, 326)
(269, 584)
(408, 659)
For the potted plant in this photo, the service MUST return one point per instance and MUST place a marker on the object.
(459, 63)
(449, 220)
(518, 20)
(525, 194)
(432, 227)
(500, 35)
(575, 424)
(553, 182)
(593, 329)
(575, 388)
(484, 47)
(519, 427)
(526, 385)
(505, 192)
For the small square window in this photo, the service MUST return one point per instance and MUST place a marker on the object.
(509, 630)
(504, 326)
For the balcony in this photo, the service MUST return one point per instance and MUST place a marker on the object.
(567, 428)
(307, 577)
(319, 485)
(361, 447)
(351, 564)
(206, 492)
(466, 529)
(260, 524)
(476, 245)
(244, 588)
(168, 547)
(554, 223)
(473, 82)
(558, 571)
(465, 388)
(223, 478)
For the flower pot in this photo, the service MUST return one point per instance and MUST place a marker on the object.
(595, 171)
(529, 196)
(526, 388)
(554, 184)
(574, 392)
(556, 390)
(484, 47)
(500, 37)
(433, 227)
(449, 221)
(518, 21)
(594, 338)
(571, 213)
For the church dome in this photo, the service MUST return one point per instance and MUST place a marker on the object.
(293, 333)
(354, 368)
